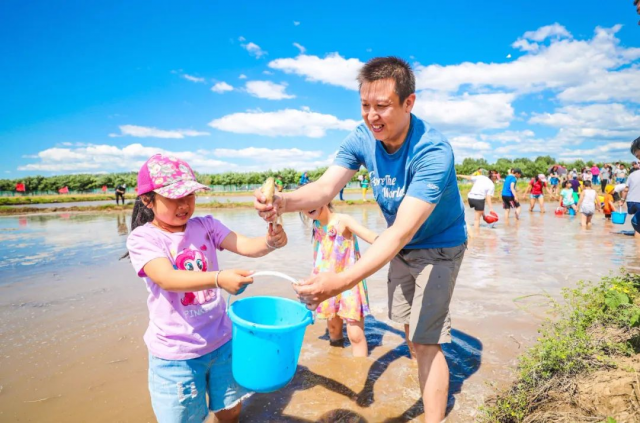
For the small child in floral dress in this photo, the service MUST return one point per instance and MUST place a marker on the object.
(336, 248)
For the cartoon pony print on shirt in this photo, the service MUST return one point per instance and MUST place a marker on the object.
(194, 261)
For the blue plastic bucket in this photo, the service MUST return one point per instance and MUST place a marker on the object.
(266, 340)
(572, 212)
(618, 218)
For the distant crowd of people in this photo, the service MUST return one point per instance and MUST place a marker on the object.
(574, 189)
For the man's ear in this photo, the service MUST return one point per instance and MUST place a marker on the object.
(409, 102)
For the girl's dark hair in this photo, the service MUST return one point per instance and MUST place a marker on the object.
(567, 182)
(587, 184)
(141, 213)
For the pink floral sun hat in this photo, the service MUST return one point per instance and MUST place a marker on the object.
(167, 176)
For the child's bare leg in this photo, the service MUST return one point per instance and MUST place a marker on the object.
(583, 219)
(412, 350)
(335, 328)
(541, 201)
(355, 332)
(532, 203)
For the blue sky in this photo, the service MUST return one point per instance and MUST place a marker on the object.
(100, 86)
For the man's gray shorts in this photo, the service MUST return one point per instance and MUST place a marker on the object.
(420, 287)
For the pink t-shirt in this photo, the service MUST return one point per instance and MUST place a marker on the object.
(182, 325)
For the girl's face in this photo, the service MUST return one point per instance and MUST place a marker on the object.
(172, 215)
(317, 214)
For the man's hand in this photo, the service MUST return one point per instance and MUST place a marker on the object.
(320, 287)
(269, 212)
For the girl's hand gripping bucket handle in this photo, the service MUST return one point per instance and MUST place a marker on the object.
(271, 273)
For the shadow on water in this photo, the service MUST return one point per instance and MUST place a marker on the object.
(464, 356)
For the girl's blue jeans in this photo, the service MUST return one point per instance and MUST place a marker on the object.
(179, 388)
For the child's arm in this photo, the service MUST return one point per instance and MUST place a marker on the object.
(162, 272)
(359, 230)
(469, 178)
(255, 247)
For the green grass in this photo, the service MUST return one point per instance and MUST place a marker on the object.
(567, 346)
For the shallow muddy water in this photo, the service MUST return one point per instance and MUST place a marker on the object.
(200, 199)
(72, 318)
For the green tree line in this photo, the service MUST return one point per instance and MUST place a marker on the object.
(88, 182)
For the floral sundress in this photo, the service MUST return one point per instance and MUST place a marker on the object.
(333, 252)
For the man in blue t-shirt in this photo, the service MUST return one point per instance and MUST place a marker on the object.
(510, 193)
(411, 168)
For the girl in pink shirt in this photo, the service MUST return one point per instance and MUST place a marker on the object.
(189, 331)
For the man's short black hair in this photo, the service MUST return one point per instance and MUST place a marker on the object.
(635, 144)
(516, 170)
(390, 67)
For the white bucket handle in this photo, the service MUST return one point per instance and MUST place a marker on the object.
(269, 273)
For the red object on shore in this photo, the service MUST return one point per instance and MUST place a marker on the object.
(490, 218)
(560, 211)
(20, 187)
(104, 188)
(64, 190)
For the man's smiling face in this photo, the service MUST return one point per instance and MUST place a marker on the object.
(383, 113)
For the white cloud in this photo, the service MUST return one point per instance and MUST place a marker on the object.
(242, 76)
(254, 49)
(537, 147)
(193, 78)
(509, 136)
(287, 123)
(296, 23)
(468, 147)
(221, 87)
(105, 157)
(332, 70)
(278, 154)
(241, 38)
(268, 90)
(466, 112)
(469, 142)
(577, 123)
(623, 85)
(608, 151)
(541, 34)
(150, 132)
(300, 47)
(108, 158)
(563, 64)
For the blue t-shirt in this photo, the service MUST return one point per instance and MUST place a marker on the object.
(506, 188)
(422, 168)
